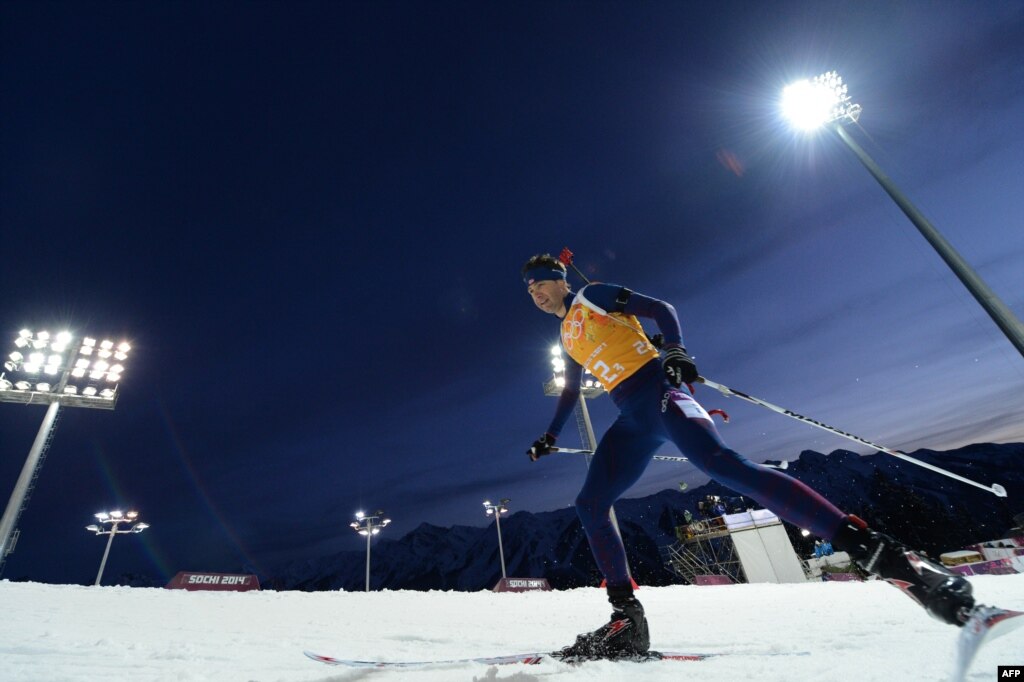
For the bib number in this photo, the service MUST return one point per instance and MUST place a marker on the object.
(690, 408)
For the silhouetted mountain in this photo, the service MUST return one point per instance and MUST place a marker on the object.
(925, 509)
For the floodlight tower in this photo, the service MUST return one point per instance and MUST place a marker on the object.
(369, 526)
(498, 510)
(591, 388)
(823, 101)
(53, 371)
(114, 518)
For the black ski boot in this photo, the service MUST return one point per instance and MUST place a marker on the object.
(625, 636)
(944, 594)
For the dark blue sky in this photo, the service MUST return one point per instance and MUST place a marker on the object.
(309, 218)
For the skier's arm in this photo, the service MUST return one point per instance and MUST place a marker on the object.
(678, 365)
(618, 299)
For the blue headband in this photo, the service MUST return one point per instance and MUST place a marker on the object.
(541, 273)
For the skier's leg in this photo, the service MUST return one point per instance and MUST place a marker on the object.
(945, 594)
(620, 459)
(618, 462)
(695, 435)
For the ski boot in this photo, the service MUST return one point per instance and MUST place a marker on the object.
(625, 636)
(944, 594)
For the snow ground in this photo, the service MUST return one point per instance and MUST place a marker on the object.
(850, 631)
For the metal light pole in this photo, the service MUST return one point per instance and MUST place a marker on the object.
(824, 101)
(498, 510)
(368, 526)
(591, 388)
(53, 371)
(115, 519)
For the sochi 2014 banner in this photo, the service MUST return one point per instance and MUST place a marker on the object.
(235, 582)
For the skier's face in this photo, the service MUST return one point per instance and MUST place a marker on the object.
(549, 295)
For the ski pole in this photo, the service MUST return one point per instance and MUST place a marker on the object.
(663, 458)
(995, 488)
(999, 491)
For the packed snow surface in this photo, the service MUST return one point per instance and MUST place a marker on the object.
(812, 631)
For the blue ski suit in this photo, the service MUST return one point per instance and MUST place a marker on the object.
(601, 332)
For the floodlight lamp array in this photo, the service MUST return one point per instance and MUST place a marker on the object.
(368, 525)
(592, 387)
(114, 519)
(810, 104)
(93, 373)
(496, 509)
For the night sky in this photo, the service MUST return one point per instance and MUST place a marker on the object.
(308, 219)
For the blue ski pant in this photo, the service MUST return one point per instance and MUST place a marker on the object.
(651, 413)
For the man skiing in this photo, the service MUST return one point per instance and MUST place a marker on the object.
(600, 331)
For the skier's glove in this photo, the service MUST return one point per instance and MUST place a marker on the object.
(544, 445)
(678, 366)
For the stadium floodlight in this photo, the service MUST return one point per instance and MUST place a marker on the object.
(590, 388)
(53, 370)
(810, 104)
(369, 525)
(115, 519)
(497, 510)
(823, 101)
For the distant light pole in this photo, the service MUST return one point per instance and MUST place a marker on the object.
(115, 519)
(590, 388)
(823, 101)
(368, 526)
(498, 510)
(53, 371)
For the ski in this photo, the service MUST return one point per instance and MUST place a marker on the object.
(984, 624)
(527, 659)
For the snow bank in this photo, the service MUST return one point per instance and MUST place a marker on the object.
(836, 631)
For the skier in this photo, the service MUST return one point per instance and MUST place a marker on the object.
(600, 331)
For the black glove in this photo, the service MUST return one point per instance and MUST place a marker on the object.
(544, 445)
(678, 366)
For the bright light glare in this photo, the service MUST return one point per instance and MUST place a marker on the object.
(560, 382)
(556, 350)
(808, 105)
